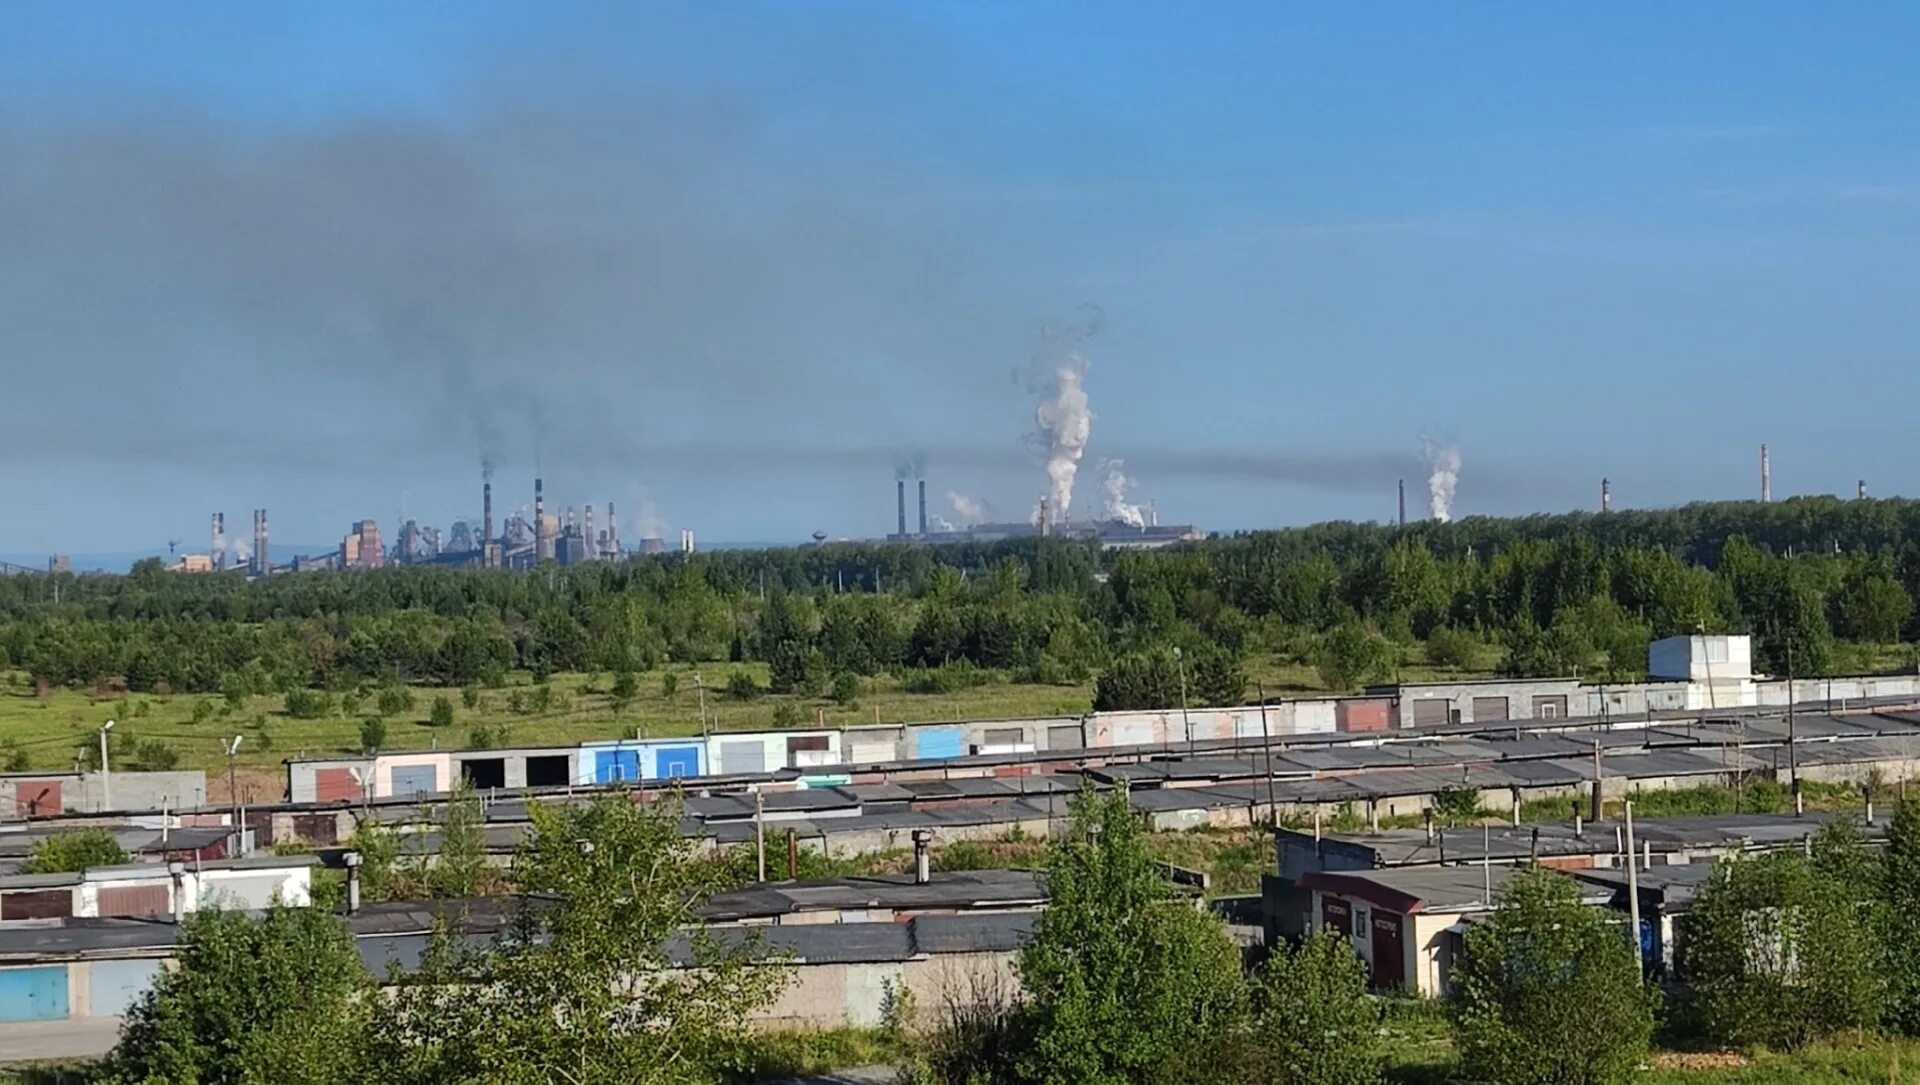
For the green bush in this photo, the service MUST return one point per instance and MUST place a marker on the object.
(308, 704)
(787, 714)
(394, 700)
(1547, 991)
(742, 687)
(64, 853)
(1315, 1024)
(470, 697)
(1778, 954)
(442, 712)
(373, 733)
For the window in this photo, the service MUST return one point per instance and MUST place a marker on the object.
(1717, 650)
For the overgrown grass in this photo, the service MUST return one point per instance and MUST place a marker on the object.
(771, 1056)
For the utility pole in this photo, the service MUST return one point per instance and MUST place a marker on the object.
(1633, 900)
(106, 774)
(1180, 664)
(701, 687)
(760, 833)
(1793, 763)
(1266, 747)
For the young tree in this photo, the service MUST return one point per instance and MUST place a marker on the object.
(1900, 938)
(283, 998)
(1350, 656)
(1124, 978)
(461, 869)
(606, 974)
(441, 715)
(62, 853)
(1547, 991)
(625, 688)
(373, 733)
(1780, 953)
(1315, 1024)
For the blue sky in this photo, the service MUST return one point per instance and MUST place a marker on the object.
(726, 262)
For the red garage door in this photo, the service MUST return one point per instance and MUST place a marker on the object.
(335, 785)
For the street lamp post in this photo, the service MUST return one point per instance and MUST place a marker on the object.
(1185, 721)
(233, 792)
(106, 776)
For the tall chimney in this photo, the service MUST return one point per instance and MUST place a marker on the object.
(900, 504)
(486, 522)
(1766, 475)
(586, 535)
(260, 547)
(1860, 490)
(216, 550)
(1403, 502)
(542, 541)
(923, 507)
(1606, 495)
(1046, 517)
(613, 533)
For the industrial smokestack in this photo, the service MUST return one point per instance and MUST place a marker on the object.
(486, 521)
(900, 504)
(1860, 490)
(586, 534)
(217, 549)
(1766, 475)
(1403, 503)
(923, 507)
(1606, 495)
(542, 534)
(1046, 516)
(613, 533)
(260, 547)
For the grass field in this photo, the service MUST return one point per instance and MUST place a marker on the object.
(49, 732)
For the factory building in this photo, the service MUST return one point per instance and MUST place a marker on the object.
(1149, 534)
(361, 548)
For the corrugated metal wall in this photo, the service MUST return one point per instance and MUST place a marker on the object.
(123, 900)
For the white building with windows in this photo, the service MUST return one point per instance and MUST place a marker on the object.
(1718, 669)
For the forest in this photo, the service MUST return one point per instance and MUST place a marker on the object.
(1824, 585)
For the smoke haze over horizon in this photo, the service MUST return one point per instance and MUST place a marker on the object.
(754, 263)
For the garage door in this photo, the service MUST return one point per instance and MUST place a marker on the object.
(114, 986)
(1429, 712)
(410, 780)
(1489, 708)
(36, 904)
(36, 798)
(674, 762)
(33, 994)
(610, 766)
(743, 757)
(942, 743)
(1550, 707)
(1064, 736)
(335, 785)
(873, 750)
(125, 900)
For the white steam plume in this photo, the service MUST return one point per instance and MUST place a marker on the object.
(1064, 423)
(1118, 508)
(1443, 463)
(967, 510)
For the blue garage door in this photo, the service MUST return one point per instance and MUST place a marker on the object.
(410, 780)
(675, 761)
(943, 743)
(33, 994)
(114, 986)
(610, 766)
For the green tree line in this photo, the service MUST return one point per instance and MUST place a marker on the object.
(1540, 595)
